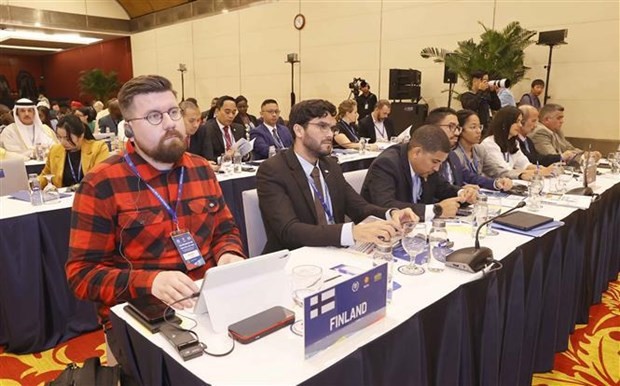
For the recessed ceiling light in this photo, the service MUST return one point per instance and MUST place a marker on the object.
(71, 38)
(30, 48)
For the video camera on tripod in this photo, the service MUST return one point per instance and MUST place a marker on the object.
(355, 86)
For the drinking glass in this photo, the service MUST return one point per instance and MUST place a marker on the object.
(414, 242)
(362, 143)
(494, 205)
(613, 163)
(307, 279)
(227, 164)
(51, 195)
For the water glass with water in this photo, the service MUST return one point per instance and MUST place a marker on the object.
(227, 164)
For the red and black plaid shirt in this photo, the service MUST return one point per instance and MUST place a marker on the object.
(114, 212)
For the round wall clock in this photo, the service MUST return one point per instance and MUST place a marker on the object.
(300, 21)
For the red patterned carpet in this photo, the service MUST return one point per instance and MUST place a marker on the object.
(592, 358)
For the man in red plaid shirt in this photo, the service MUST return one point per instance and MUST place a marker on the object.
(135, 215)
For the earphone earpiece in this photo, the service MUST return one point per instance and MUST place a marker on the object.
(128, 131)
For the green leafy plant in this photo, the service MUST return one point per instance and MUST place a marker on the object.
(500, 53)
(98, 84)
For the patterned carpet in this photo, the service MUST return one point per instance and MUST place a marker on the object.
(592, 358)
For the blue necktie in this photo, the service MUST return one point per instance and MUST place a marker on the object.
(417, 188)
(527, 146)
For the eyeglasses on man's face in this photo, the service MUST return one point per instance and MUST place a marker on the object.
(453, 127)
(325, 127)
(156, 117)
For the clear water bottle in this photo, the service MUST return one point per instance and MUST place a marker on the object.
(362, 145)
(535, 190)
(272, 151)
(480, 215)
(40, 155)
(383, 254)
(237, 162)
(36, 194)
(438, 239)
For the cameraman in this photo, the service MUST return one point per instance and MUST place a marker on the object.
(482, 98)
(366, 101)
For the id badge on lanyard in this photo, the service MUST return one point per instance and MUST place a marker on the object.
(182, 239)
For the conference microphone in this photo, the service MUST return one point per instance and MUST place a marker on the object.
(474, 259)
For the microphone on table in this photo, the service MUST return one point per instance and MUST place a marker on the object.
(476, 258)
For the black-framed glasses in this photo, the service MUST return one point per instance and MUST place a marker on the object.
(453, 127)
(156, 117)
(325, 127)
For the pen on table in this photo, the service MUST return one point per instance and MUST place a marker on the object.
(332, 278)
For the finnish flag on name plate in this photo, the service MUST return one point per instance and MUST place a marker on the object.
(323, 304)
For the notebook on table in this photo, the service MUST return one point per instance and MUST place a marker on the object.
(523, 220)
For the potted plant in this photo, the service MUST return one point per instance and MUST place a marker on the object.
(500, 53)
(98, 84)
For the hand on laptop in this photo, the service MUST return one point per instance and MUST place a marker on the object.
(172, 286)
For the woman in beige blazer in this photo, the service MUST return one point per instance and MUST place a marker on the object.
(76, 154)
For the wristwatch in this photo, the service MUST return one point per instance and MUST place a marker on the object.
(437, 210)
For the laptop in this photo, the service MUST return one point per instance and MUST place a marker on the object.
(233, 292)
(13, 176)
(523, 220)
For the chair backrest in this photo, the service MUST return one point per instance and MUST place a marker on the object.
(356, 179)
(254, 227)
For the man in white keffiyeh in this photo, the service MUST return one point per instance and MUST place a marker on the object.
(22, 136)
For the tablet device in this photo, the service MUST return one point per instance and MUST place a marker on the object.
(151, 309)
(523, 221)
(261, 324)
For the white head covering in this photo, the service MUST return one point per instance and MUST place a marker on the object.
(25, 103)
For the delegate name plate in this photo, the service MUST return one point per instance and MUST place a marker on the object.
(343, 309)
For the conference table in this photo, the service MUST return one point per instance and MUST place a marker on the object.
(446, 328)
(37, 308)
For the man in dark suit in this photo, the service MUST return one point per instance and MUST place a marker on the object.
(222, 133)
(405, 176)
(529, 122)
(109, 123)
(303, 196)
(453, 169)
(377, 126)
(270, 132)
(196, 133)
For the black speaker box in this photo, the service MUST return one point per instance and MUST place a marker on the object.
(552, 38)
(405, 84)
(405, 114)
(449, 76)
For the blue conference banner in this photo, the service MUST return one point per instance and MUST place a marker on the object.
(339, 311)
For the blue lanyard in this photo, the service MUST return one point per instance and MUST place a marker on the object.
(75, 178)
(473, 163)
(350, 130)
(173, 213)
(322, 201)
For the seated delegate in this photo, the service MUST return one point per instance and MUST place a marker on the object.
(347, 136)
(76, 154)
(503, 158)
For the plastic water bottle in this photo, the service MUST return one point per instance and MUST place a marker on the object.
(535, 190)
(480, 215)
(272, 151)
(36, 194)
(438, 238)
(383, 254)
(237, 162)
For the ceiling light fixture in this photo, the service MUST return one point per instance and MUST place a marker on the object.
(70, 38)
(30, 48)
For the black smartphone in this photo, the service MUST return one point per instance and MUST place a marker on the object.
(248, 169)
(151, 309)
(261, 324)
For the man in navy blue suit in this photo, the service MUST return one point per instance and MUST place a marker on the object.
(452, 169)
(270, 133)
